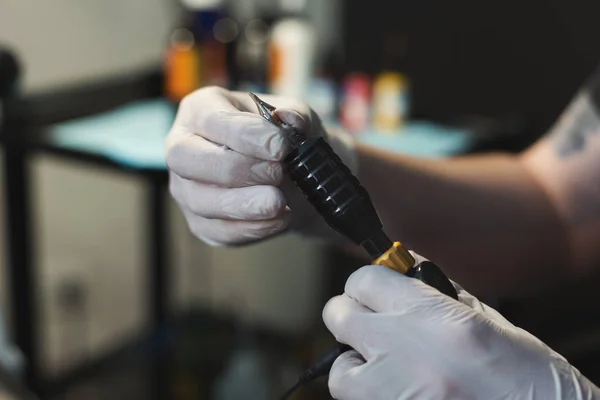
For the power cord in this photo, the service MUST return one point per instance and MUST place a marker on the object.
(318, 369)
(290, 391)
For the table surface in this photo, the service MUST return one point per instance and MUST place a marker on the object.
(133, 136)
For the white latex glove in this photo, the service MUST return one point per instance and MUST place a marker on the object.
(416, 343)
(226, 168)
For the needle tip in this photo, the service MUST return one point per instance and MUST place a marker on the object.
(261, 103)
(254, 97)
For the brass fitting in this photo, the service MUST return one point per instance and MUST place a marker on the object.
(396, 258)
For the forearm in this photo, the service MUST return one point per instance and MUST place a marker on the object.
(484, 219)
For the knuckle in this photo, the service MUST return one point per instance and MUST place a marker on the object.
(275, 172)
(342, 384)
(277, 146)
(200, 229)
(196, 206)
(195, 227)
(342, 319)
(232, 174)
(212, 123)
(191, 105)
(193, 199)
(209, 120)
(337, 316)
(186, 103)
(174, 154)
(273, 204)
(259, 230)
(231, 203)
(337, 386)
(327, 309)
(295, 104)
(171, 141)
(227, 232)
(360, 282)
(207, 91)
(174, 186)
(212, 90)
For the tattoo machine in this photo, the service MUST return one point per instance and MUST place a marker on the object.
(344, 203)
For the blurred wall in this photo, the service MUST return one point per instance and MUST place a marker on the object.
(93, 240)
(65, 42)
(90, 238)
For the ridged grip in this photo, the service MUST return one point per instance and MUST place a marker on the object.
(333, 190)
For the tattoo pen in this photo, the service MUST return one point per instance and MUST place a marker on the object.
(337, 195)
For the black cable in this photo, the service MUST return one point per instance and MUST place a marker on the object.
(319, 368)
(290, 391)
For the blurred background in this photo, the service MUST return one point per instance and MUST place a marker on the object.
(105, 293)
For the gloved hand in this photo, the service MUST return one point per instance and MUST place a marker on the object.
(226, 168)
(416, 343)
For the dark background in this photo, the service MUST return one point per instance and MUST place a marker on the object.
(492, 58)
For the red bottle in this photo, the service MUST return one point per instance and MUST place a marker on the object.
(356, 103)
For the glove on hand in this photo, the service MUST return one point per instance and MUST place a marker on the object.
(226, 169)
(416, 343)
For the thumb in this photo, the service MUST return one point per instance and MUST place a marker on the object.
(294, 119)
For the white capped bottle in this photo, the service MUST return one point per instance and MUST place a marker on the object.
(292, 51)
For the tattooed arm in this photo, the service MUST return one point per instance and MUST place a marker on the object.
(567, 165)
(499, 223)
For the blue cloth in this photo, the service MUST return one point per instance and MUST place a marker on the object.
(132, 135)
(422, 139)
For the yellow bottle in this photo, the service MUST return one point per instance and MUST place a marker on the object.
(390, 102)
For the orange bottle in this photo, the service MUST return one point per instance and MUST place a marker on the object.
(181, 66)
